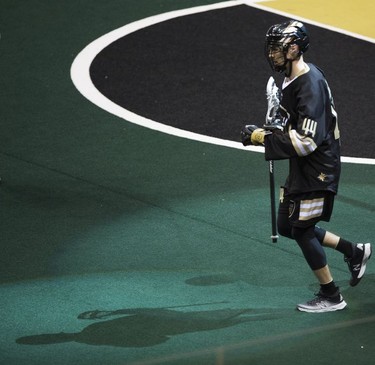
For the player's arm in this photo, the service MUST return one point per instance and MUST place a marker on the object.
(293, 142)
(309, 132)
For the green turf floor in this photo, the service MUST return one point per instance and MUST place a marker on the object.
(171, 234)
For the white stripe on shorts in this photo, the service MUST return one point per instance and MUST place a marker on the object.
(311, 209)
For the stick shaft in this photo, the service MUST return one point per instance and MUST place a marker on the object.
(274, 235)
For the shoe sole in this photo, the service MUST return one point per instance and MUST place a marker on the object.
(366, 256)
(333, 308)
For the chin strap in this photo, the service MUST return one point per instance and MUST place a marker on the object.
(288, 68)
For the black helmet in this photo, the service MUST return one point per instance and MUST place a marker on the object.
(280, 36)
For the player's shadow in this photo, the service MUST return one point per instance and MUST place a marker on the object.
(144, 327)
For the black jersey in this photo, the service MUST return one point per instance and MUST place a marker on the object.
(310, 139)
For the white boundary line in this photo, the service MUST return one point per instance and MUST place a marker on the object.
(80, 75)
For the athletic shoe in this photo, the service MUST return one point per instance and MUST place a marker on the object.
(357, 263)
(323, 303)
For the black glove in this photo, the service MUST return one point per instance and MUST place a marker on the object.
(252, 134)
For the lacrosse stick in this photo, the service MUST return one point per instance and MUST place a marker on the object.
(273, 121)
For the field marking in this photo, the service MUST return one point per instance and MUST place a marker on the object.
(80, 75)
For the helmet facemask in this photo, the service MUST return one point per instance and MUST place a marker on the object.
(276, 55)
(278, 40)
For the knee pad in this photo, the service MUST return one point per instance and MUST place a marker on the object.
(310, 246)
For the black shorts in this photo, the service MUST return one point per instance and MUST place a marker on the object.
(307, 209)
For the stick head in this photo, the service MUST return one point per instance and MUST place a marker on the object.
(273, 93)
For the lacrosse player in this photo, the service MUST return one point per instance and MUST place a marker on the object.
(306, 132)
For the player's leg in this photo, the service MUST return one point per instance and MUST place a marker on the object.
(356, 255)
(307, 240)
(329, 297)
(305, 211)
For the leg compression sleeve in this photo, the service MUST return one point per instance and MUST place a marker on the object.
(310, 246)
(320, 233)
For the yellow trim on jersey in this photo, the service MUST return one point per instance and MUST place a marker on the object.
(302, 144)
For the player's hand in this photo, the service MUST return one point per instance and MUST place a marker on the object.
(275, 125)
(252, 134)
(246, 133)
